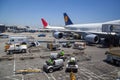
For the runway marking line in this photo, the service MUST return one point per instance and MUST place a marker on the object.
(53, 76)
(90, 73)
(49, 77)
(14, 66)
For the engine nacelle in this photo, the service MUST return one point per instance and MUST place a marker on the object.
(92, 38)
(57, 35)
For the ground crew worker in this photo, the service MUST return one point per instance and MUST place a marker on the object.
(50, 61)
(62, 53)
(68, 43)
(72, 61)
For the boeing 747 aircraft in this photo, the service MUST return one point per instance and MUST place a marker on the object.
(91, 27)
(92, 32)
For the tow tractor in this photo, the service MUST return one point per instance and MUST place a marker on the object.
(72, 65)
(55, 56)
(53, 46)
(57, 65)
(66, 45)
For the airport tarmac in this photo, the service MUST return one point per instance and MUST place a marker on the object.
(91, 63)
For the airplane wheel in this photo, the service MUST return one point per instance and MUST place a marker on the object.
(61, 68)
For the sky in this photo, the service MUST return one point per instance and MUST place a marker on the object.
(30, 12)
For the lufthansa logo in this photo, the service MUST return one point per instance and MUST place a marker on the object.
(66, 18)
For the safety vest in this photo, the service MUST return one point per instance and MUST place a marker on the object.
(62, 53)
(50, 61)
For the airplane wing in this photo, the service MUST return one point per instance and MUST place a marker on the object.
(89, 32)
(92, 37)
(101, 34)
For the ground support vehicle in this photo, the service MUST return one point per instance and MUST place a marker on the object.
(72, 66)
(113, 56)
(15, 48)
(56, 56)
(66, 45)
(34, 44)
(79, 45)
(57, 65)
(53, 46)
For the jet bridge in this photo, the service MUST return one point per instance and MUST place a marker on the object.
(111, 28)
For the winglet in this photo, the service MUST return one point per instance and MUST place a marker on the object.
(67, 19)
(45, 24)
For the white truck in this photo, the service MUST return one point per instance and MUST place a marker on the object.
(113, 56)
(15, 48)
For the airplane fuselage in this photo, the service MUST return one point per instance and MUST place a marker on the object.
(54, 27)
(97, 27)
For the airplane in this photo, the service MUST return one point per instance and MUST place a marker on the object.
(47, 26)
(90, 27)
(4, 35)
(92, 32)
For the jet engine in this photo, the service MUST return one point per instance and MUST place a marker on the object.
(92, 38)
(58, 35)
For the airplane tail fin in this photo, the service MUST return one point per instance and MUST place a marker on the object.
(44, 22)
(67, 19)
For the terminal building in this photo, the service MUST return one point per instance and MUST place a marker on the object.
(2, 28)
(6, 28)
(15, 29)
